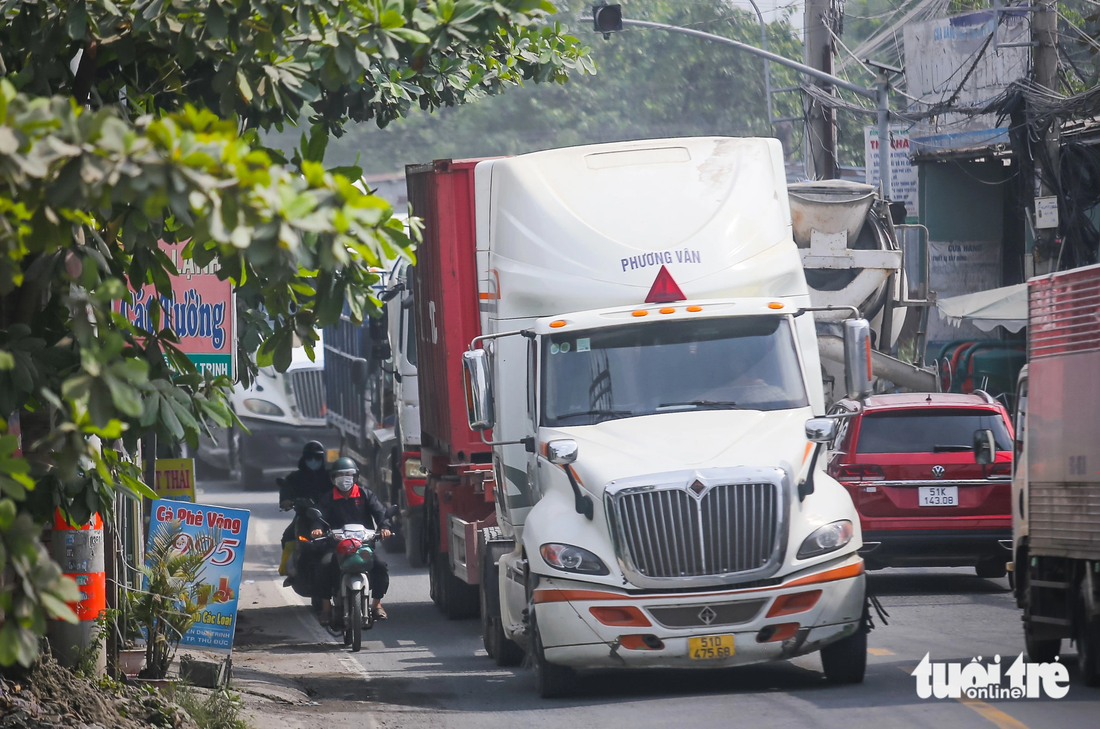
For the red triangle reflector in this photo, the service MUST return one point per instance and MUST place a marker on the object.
(664, 289)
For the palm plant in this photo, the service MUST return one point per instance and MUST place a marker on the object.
(169, 604)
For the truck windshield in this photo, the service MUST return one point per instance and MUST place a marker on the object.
(743, 363)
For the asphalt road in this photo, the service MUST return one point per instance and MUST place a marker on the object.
(420, 670)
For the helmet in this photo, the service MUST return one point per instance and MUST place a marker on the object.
(343, 473)
(313, 455)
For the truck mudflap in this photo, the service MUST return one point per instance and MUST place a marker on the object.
(589, 626)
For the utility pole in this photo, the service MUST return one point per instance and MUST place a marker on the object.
(1044, 37)
(821, 160)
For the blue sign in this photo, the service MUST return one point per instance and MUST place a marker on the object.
(219, 534)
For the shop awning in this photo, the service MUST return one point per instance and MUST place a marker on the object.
(1005, 307)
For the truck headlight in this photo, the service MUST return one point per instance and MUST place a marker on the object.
(414, 468)
(828, 538)
(263, 407)
(568, 558)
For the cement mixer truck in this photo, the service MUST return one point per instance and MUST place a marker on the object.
(622, 410)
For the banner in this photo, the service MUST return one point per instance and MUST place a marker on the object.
(903, 174)
(201, 312)
(219, 534)
(175, 479)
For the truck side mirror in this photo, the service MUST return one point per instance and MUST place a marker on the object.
(561, 452)
(479, 390)
(985, 447)
(821, 430)
(858, 377)
(360, 371)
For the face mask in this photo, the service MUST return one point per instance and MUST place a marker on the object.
(314, 464)
(344, 483)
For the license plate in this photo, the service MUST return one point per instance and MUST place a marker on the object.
(938, 496)
(710, 647)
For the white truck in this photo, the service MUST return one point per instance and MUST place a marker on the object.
(282, 411)
(1056, 486)
(648, 365)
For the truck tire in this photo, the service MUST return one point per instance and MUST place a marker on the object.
(414, 535)
(1087, 636)
(500, 648)
(1041, 650)
(551, 680)
(252, 478)
(456, 599)
(845, 661)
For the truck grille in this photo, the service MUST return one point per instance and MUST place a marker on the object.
(672, 533)
(309, 391)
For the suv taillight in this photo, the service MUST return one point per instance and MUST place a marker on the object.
(859, 472)
(1001, 469)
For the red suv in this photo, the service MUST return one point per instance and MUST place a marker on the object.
(923, 499)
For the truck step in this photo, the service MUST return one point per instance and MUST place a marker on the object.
(1050, 584)
(1051, 621)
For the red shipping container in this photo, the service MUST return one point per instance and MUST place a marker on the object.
(445, 297)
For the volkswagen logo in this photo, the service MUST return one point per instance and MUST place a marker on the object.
(938, 471)
(707, 615)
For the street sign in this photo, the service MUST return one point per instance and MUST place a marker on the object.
(201, 312)
(219, 534)
(903, 173)
(175, 479)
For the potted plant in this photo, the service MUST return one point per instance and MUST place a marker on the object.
(168, 604)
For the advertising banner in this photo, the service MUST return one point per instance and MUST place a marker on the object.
(903, 174)
(201, 312)
(219, 534)
(949, 59)
(175, 479)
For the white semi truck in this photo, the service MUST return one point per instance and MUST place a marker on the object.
(644, 374)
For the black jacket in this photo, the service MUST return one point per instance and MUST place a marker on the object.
(358, 506)
(306, 484)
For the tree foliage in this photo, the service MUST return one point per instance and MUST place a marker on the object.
(125, 123)
(651, 84)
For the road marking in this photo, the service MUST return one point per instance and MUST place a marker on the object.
(879, 652)
(995, 715)
(999, 718)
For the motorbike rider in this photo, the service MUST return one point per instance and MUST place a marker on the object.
(347, 502)
(310, 482)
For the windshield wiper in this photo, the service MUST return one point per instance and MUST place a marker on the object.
(702, 405)
(590, 413)
(951, 448)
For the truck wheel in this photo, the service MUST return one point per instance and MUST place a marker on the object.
(414, 537)
(1087, 637)
(457, 600)
(252, 478)
(1041, 650)
(845, 661)
(991, 569)
(553, 681)
(500, 648)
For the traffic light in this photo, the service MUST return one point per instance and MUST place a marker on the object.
(607, 19)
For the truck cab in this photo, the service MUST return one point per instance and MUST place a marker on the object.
(648, 381)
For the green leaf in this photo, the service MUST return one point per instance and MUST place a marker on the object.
(76, 24)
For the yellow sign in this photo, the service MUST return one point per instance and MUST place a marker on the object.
(175, 479)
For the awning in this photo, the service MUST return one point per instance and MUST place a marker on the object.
(1005, 307)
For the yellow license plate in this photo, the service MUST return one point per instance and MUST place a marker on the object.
(333, 454)
(710, 647)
